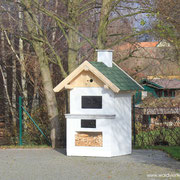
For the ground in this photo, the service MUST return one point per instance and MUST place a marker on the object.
(48, 164)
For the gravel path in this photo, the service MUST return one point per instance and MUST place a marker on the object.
(48, 164)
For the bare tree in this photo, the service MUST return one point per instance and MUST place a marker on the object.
(167, 25)
(38, 45)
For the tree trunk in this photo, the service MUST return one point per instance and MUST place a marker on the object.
(14, 81)
(49, 94)
(73, 37)
(6, 92)
(21, 57)
(55, 24)
(35, 101)
(46, 76)
(72, 50)
(103, 24)
(4, 73)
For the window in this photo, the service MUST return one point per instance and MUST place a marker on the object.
(88, 123)
(159, 93)
(92, 102)
(165, 93)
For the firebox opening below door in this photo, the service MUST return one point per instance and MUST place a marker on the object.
(93, 139)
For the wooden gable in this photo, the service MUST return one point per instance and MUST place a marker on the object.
(86, 79)
(86, 75)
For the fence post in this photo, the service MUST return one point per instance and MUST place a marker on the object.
(134, 126)
(20, 120)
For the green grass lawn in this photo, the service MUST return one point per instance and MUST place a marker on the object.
(173, 151)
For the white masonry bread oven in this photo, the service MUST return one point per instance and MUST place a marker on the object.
(99, 123)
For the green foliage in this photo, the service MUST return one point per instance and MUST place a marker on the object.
(159, 136)
(24, 146)
(138, 127)
(143, 22)
(165, 30)
(31, 135)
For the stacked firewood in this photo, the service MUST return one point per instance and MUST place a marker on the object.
(93, 139)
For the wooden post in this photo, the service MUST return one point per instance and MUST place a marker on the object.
(134, 125)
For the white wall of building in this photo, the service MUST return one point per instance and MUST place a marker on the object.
(107, 100)
(113, 120)
(102, 125)
(121, 128)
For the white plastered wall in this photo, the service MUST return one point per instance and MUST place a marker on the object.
(113, 120)
(107, 100)
(121, 128)
(102, 125)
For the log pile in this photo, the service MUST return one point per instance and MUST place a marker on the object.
(93, 139)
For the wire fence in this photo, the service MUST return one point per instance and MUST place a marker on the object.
(156, 126)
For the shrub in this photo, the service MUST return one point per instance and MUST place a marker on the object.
(159, 136)
(31, 134)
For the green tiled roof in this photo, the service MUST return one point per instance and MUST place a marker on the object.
(117, 76)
